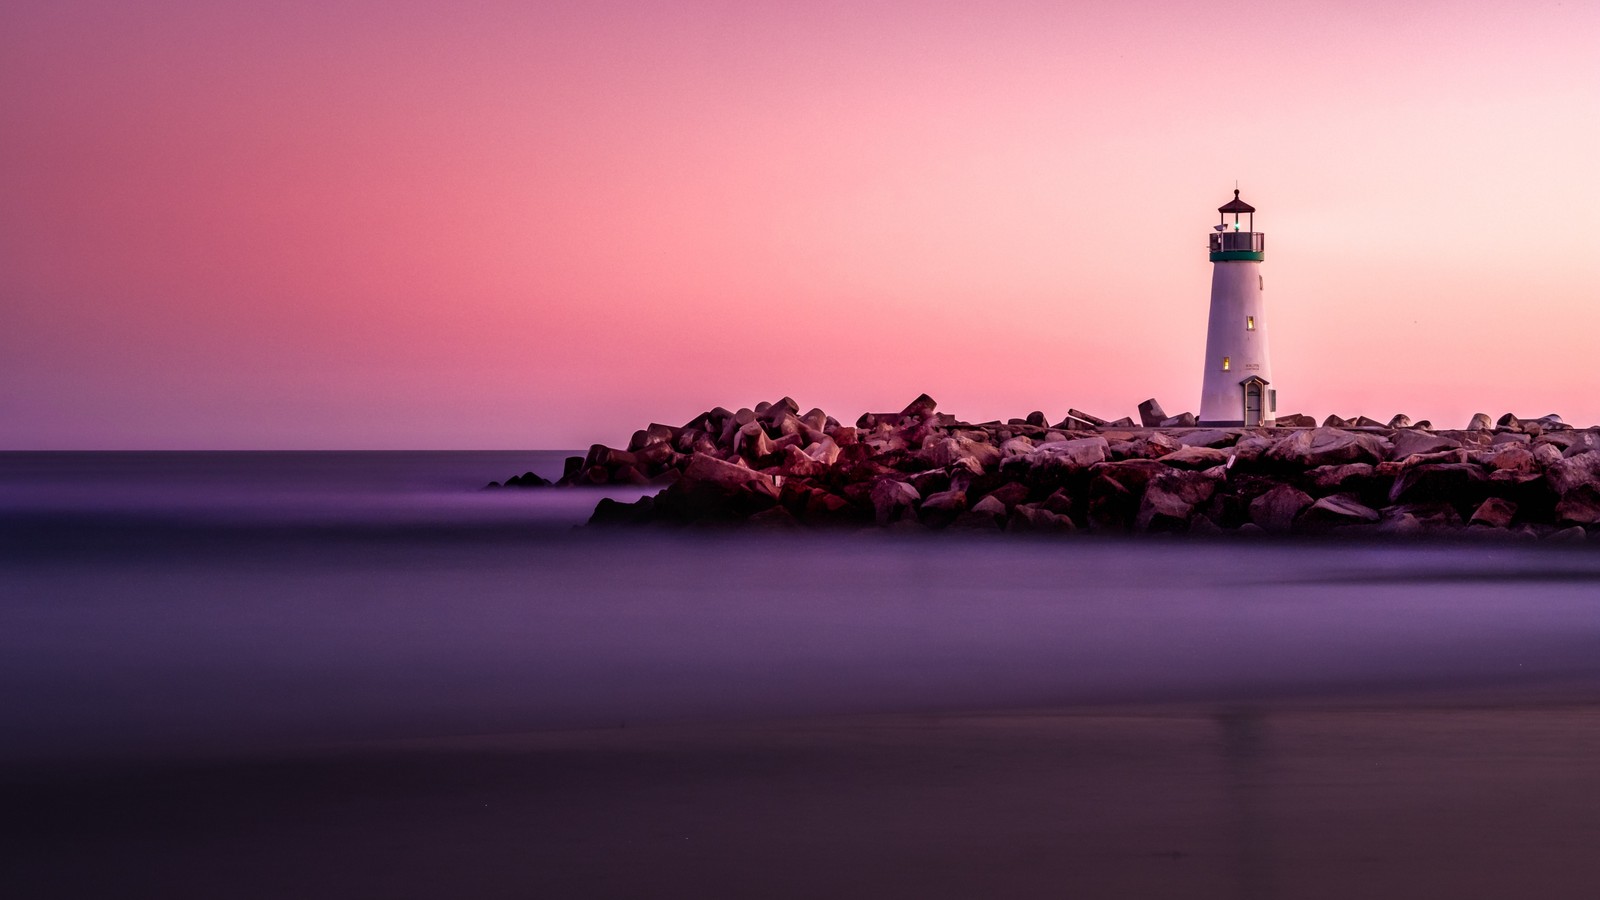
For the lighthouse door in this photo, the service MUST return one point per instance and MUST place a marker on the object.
(1252, 402)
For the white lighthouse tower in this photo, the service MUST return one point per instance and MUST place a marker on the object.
(1238, 384)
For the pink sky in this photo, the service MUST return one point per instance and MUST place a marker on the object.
(459, 225)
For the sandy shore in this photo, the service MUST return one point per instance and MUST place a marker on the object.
(1489, 797)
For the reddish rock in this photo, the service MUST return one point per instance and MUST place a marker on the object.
(1275, 511)
(1495, 513)
(1336, 511)
(1171, 497)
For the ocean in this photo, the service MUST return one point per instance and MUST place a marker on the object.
(185, 637)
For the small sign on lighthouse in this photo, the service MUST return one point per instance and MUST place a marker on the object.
(1238, 388)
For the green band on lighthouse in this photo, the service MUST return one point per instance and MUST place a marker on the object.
(1248, 255)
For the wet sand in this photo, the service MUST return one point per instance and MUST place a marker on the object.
(1423, 796)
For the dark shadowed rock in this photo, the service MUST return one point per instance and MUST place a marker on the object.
(1573, 535)
(893, 499)
(1326, 447)
(1580, 506)
(1462, 485)
(1030, 518)
(1333, 421)
(1124, 422)
(1296, 420)
(1151, 414)
(1364, 422)
(1573, 472)
(1275, 511)
(1171, 497)
(1036, 419)
(1400, 420)
(1181, 420)
(776, 518)
(1349, 478)
(1082, 416)
(1508, 422)
(921, 407)
(1073, 423)
(1211, 437)
(1336, 511)
(527, 480)
(1494, 512)
(611, 512)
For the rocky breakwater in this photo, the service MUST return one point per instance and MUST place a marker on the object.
(920, 469)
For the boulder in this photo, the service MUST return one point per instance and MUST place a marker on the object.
(892, 499)
(1336, 511)
(1400, 420)
(990, 506)
(708, 470)
(1572, 535)
(1409, 442)
(1494, 512)
(1124, 422)
(1462, 485)
(1344, 479)
(1195, 458)
(797, 464)
(1082, 416)
(1511, 437)
(1545, 455)
(1151, 414)
(1212, 437)
(527, 480)
(752, 442)
(1073, 423)
(1326, 447)
(1364, 422)
(1480, 422)
(1181, 420)
(1574, 471)
(1509, 458)
(1276, 510)
(613, 512)
(942, 508)
(1508, 422)
(1333, 421)
(1296, 420)
(1171, 497)
(1027, 517)
(1036, 419)
(1009, 494)
(922, 407)
(1580, 506)
(1079, 453)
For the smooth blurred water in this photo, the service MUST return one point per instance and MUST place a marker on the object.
(158, 604)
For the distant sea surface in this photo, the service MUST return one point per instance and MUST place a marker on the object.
(177, 609)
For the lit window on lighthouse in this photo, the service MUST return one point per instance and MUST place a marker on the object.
(1226, 364)
(1249, 323)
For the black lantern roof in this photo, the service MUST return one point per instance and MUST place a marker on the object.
(1235, 205)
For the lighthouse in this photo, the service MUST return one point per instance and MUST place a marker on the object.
(1238, 387)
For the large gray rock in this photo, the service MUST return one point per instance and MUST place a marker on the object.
(709, 470)
(1181, 420)
(1480, 422)
(1276, 510)
(1151, 413)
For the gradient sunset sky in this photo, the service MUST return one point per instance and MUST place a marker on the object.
(459, 225)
